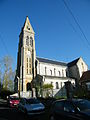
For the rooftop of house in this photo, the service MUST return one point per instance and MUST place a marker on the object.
(85, 76)
(73, 62)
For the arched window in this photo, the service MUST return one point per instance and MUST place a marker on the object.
(54, 72)
(31, 41)
(57, 85)
(50, 72)
(59, 73)
(27, 40)
(29, 65)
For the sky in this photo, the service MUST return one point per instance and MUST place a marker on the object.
(62, 32)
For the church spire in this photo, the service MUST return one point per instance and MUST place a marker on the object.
(27, 26)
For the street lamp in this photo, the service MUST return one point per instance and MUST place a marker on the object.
(18, 86)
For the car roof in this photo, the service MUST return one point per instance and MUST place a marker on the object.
(71, 100)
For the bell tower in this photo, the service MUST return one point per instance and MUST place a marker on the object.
(26, 57)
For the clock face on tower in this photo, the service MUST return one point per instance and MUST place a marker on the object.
(29, 53)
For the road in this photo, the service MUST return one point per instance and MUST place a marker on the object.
(7, 113)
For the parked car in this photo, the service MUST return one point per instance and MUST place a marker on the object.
(13, 101)
(76, 109)
(31, 106)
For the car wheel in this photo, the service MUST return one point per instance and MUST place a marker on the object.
(52, 117)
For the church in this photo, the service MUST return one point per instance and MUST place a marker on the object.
(32, 70)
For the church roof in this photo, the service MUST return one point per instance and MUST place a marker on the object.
(44, 60)
(73, 62)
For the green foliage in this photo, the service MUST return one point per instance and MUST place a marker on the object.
(4, 93)
(47, 86)
(61, 97)
(80, 92)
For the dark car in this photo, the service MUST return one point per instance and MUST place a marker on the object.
(31, 106)
(13, 101)
(76, 109)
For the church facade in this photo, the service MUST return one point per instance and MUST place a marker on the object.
(40, 70)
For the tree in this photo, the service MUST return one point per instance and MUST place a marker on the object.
(48, 89)
(80, 92)
(7, 74)
(47, 86)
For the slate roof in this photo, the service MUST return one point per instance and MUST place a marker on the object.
(44, 60)
(85, 76)
(73, 62)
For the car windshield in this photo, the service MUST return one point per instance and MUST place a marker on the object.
(32, 101)
(82, 104)
(14, 98)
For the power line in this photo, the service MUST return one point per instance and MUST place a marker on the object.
(66, 5)
(2, 41)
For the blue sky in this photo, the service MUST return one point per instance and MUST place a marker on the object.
(57, 36)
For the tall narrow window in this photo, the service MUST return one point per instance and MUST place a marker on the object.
(30, 62)
(27, 60)
(50, 72)
(27, 71)
(61, 84)
(30, 72)
(45, 70)
(27, 41)
(31, 41)
(54, 72)
(57, 85)
(62, 73)
(59, 73)
(27, 65)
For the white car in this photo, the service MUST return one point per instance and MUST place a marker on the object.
(31, 106)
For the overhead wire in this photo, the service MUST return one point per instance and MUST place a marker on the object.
(77, 23)
(4, 45)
